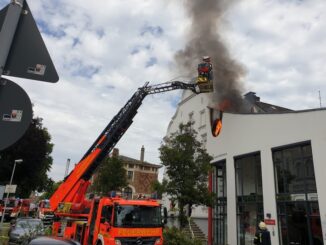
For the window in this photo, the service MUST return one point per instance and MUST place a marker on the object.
(107, 214)
(127, 193)
(296, 194)
(220, 213)
(191, 116)
(202, 119)
(249, 196)
(131, 165)
(130, 175)
(203, 139)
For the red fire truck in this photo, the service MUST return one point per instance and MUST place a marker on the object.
(44, 212)
(15, 207)
(109, 220)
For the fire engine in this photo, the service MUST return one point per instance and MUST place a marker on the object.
(15, 207)
(44, 212)
(109, 220)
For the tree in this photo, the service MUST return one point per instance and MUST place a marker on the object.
(159, 188)
(110, 176)
(34, 148)
(50, 188)
(187, 167)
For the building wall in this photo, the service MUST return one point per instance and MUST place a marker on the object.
(243, 134)
(143, 175)
(143, 182)
(247, 133)
(192, 107)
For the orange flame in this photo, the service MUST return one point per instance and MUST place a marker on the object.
(217, 127)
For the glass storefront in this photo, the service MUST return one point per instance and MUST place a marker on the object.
(296, 194)
(219, 213)
(249, 193)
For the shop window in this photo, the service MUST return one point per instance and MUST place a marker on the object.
(296, 194)
(249, 197)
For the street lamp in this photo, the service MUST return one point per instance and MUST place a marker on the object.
(12, 176)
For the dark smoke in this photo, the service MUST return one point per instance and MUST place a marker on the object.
(204, 39)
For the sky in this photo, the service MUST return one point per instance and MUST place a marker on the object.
(104, 50)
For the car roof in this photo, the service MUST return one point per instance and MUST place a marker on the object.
(28, 218)
(44, 240)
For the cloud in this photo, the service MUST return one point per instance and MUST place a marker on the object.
(104, 51)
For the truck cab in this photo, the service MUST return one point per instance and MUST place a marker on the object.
(114, 221)
(44, 212)
(11, 211)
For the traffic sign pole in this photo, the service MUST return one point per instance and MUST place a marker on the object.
(8, 30)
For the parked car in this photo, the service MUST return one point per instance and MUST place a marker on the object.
(24, 229)
(52, 241)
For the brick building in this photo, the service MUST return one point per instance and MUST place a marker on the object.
(140, 174)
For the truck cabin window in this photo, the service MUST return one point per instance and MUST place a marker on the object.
(106, 214)
(137, 216)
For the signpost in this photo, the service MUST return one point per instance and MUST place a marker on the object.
(10, 189)
(22, 54)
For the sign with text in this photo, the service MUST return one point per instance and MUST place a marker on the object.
(10, 188)
(270, 221)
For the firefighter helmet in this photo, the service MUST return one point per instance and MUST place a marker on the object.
(206, 58)
(262, 225)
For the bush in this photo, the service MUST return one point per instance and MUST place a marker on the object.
(173, 236)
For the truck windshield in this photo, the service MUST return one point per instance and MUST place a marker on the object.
(137, 216)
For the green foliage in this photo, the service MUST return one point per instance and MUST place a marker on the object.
(159, 188)
(50, 188)
(34, 148)
(187, 166)
(111, 175)
(173, 236)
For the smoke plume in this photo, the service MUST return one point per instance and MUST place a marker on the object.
(204, 39)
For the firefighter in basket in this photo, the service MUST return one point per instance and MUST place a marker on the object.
(205, 74)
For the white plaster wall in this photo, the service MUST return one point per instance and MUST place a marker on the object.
(242, 134)
(247, 133)
(191, 104)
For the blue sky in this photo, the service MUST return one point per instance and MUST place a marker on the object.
(104, 51)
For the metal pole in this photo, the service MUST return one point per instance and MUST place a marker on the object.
(12, 176)
(8, 30)
(67, 167)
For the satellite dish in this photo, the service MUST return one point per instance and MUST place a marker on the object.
(15, 112)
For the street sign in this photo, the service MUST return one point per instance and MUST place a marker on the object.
(15, 112)
(270, 221)
(28, 56)
(10, 188)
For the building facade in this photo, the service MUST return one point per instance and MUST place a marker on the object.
(140, 175)
(269, 164)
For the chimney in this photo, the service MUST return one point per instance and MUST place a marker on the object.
(115, 152)
(251, 97)
(142, 154)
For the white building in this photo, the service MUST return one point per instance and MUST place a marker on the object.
(268, 165)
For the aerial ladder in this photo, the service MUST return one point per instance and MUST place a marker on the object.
(97, 221)
(74, 187)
